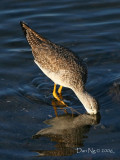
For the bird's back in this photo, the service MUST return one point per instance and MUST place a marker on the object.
(55, 58)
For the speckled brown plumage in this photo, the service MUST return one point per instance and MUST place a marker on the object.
(54, 58)
(62, 66)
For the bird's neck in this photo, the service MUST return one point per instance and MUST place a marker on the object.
(85, 98)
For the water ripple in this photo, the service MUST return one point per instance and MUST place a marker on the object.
(91, 30)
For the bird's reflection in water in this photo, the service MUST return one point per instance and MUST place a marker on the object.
(69, 131)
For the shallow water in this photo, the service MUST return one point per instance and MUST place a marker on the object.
(89, 28)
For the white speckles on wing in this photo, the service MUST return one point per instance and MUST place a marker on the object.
(57, 62)
(61, 66)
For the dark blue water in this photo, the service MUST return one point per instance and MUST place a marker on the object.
(92, 30)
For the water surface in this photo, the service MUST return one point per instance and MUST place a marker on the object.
(92, 30)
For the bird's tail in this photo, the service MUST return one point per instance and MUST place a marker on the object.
(32, 37)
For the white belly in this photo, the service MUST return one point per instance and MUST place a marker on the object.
(56, 78)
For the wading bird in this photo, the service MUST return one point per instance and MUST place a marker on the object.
(62, 66)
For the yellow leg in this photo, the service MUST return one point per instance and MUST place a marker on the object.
(60, 92)
(60, 89)
(56, 96)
